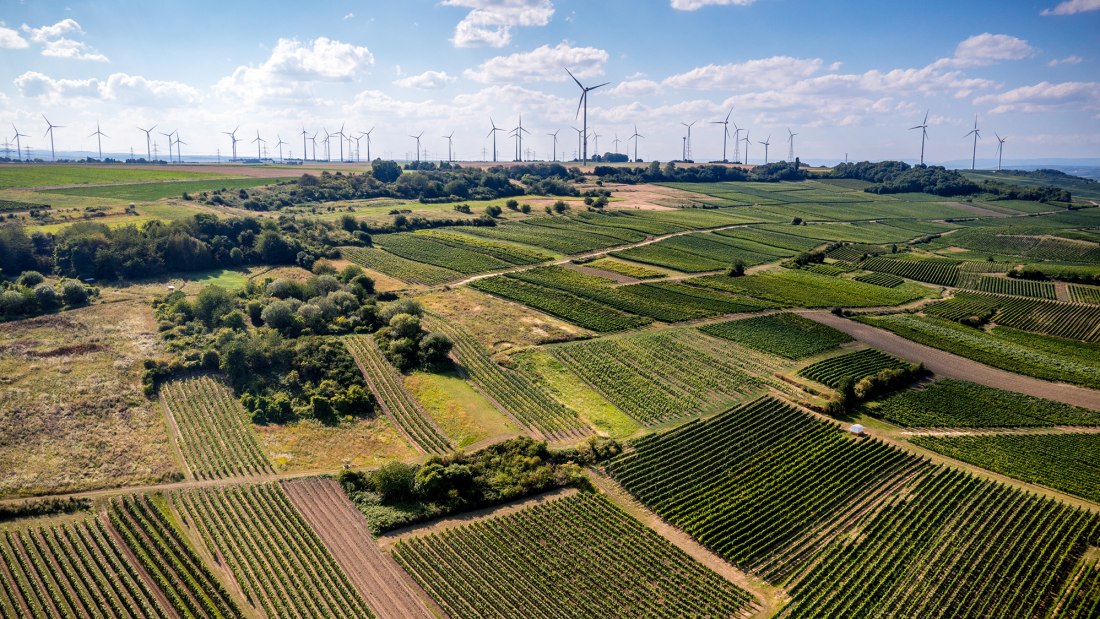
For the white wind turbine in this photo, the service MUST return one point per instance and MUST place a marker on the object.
(725, 130)
(584, 102)
(635, 137)
(554, 152)
(149, 145)
(493, 132)
(49, 131)
(99, 139)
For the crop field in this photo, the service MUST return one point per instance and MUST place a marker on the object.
(880, 279)
(974, 545)
(1037, 247)
(518, 565)
(564, 236)
(663, 255)
(276, 558)
(932, 270)
(854, 252)
(853, 366)
(629, 269)
(1066, 320)
(1015, 287)
(1007, 349)
(510, 390)
(390, 392)
(785, 335)
(215, 435)
(964, 305)
(1066, 462)
(761, 500)
(877, 233)
(1084, 294)
(57, 175)
(71, 570)
(705, 251)
(512, 254)
(420, 248)
(950, 403)
(770, 238)
(801, 289)
(1081, 597)
(147, 192)
(656, 378)
(398, 267)
(567, 306)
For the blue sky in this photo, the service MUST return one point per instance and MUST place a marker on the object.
(848, 77)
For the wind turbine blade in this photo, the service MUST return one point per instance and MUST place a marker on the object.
(574, 78)
(579, 102)
(598, 86)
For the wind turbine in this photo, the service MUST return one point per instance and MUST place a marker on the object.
(357, 150)
(616, 143)
(635, 138)
(584, 102)
(279, 145)
(493, 132)
(1000, 148)
(923, 135)
(258, 141)
(596, 142)
(304, 151)
(747, 142)
(49, 131)
(449, 144)
(325, 141)
(99, 139)
(579, 133)
(687, 141)
(149, 149)
(554, 153)
(179, 153)
(367, 135)
(790, 141)
(518, 134)
(169, 136)
(977, 136)
(232, 136)
(417, 138)
(737, 143)
(766, 144)
(313, 140)
(725, 130)
(18, 144)
(341, 134)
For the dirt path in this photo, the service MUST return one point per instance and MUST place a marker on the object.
(768, 598)
(389, 591)
(1061, 292)
(949, 365)
(999, 431)
(175, 436)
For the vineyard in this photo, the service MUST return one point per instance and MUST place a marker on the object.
(567, 306)
(511, 391)
(881, 279)
(1015, 287)
(70, 570)
(396, 401)
(1081, 597)
(165, 554)
(512, 254)
(950, 403)
(787, 335)
(853, 366)
(420, 248)
(397, 267)
(1084, 294)
(965, 305)
(956, 542)
(574, 556)
(802, 289)
(762, 485)
(705, 251)
(1066, 462)
(215, 435)
(1071, 321)
(931, 270)
(279, 562)
(1037, 247)
(611, 265)
(656, 378)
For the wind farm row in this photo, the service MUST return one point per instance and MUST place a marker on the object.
(332, 144)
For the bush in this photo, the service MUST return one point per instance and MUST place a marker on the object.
(73, 293)
(525, 208)
(512, 204)
(493, 210)
(46, 297)
(30, 279)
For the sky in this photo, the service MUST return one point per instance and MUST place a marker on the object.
(848, 77)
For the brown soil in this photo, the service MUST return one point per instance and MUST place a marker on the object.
(390, 592)
(948, 365)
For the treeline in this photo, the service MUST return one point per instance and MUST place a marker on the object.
(94, 250)
(400, 494)
(426, 182)
(710, 173)
(900, 177)
(1043, 193)
(31, 295)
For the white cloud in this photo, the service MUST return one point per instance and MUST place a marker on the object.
(1071, 7)
(635, 88)
(691, 5)
(122, 88)
(56, 44)
(763, 72)
(349, 16)
(985, 49)
(1045, 97)
(428, 80)
(490, 22)
(1066, 60)
(541, 64)
(10, 39)
(293, 66)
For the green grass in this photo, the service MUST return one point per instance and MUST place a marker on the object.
(1066, 462)
(461, 411)
(147, 192)
(802, 289)
(225, 278)
(786, 335)
(1008, 349)
(50, 175)
(952, 403)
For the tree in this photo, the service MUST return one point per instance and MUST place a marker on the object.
(211, 304)
(560, 206)
(737, 269)
(492, 210)
(385, 171)
(279, 315)
(46, 297)
(434, 350)
(395, 481)
(73, 293)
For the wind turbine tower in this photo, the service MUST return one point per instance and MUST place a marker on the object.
(493, 132)
(1000, 148)
(148, 143)
(367, 135)
(232, 136)
(635, 137)
(923, 135)
(304, 151)
(279, 145)
(179, 153)
(584, 103)
(687, 140)
(49, 131)
(417, 138)
(725, 131)
(736, 143)
(169, 136)
(258, 142)
(518, 134)
(554, 152)
(977, 136)
(766, 144)
(790, 143)
(18, 144)
(99, 139)
(341, 134)
(450, 142)
(580, 132)
(747, 142)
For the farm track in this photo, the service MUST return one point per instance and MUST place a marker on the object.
(999, 431)
(953, 366)
(388, 590)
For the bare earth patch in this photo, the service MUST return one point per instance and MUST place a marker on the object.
(651, 197)
(497, 323)
(72, 413)
(312, 446)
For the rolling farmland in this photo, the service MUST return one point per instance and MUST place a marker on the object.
(834, 371)
(514, 566)
(787, 335)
